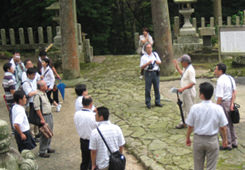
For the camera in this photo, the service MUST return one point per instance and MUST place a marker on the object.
(151, 66)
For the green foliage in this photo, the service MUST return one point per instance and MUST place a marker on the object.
(239, 14)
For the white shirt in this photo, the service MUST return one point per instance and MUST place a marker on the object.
(114, 138)
(48, 77)
(19, 117)
(224, 87)
(146, 58)
(188, 77)
(29, 86)
(142, 38)
(206, 118)
(79, 104)
(85, 122)
(13, 63)
(24, 77)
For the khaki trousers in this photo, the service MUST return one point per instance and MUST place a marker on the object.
(188, 101)
(205, 147)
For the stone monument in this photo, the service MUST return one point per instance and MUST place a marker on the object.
(188, 40)
(10, 159)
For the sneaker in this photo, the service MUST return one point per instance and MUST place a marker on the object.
(141, 77)
(58, 108)
(225, 148)
(51, 150)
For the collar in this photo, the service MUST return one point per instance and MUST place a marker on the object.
(8, 74)
(206, 101)
(104, 122)
(86, 110)
(18, 105)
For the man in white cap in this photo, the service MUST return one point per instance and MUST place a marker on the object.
(187, 84)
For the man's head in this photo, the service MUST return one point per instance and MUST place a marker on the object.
(148, 48)
(7, 67)
(206, 91)
(81, 90)
(42, 86)
(31, 73)
(102, 114)
(20, 97)
(87, 102)
(28, 63)
(43, 54)
(220, 69)
(185, 60)
(145, 31)
(16, 56)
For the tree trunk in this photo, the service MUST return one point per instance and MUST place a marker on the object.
(69, 45)
(162, 35)
(217, 4)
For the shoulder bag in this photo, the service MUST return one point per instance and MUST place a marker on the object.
(33, 116)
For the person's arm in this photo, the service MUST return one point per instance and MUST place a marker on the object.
(121, 149)
(188, 139)
(52, 80)
(219, 100)
(186, 87)
(39, 113)
(55, 72)
(93, 159)
(233, 100)
(224, 136)
(177, 67)
(12, 91)
(17, 128)
(32, 93)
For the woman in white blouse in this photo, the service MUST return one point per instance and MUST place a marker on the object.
(48, 76)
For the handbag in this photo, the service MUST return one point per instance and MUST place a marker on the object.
(235, 115)
(117, 161)
(33, 116)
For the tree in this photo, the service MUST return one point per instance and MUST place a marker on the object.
(162, 35)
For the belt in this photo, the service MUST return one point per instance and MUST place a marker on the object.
(151, 70)
(206, 135)
(46, 114)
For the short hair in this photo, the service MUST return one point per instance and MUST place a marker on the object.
(87, 100)
(16, 51)
(222, 67)
(26, 61)
(103, 111)
(39, 84)
(206, 89)
(31, 71)
(42, 53)
(145, 29)
(80, 88)
(6, 66)
(46, 60)
(147, 43)
(19, 94)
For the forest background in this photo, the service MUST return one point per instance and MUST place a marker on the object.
(110, 24)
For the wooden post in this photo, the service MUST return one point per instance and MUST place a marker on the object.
(211, 21)
(220, 23)
(79, 33)
(217, 9)
(12, 36)
(3, 36)
(49, 34)
(202, 22)
(194, 23)
(21, 36)
(30, 35)
(237, 20)
(176, 26)
(136, 41)
(228, 21)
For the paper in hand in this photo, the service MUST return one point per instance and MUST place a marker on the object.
(174, 90)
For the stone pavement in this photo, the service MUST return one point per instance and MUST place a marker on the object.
(150, 134)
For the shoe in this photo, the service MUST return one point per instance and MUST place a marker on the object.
(141, 77)
(180, 126)
(159, 105)
(234, 146)
(58, 108)
(51, 150)
(44, 155)
(225, 148)
(148, 106)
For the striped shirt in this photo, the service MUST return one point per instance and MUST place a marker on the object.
(114, 138)
(9, 84)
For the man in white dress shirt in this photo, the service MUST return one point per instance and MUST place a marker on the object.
(206, 119)
(113, 136)
(84, 120)
(150, 62)
(225, 96)
(28, 64)
(20, 123)
(187, 84)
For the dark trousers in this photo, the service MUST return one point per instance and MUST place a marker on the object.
(86, 160)
(151, 77)
(29, 143)
(55, 95)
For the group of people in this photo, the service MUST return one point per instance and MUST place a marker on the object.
(28, 88)
(89, 120)
(206, 119)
